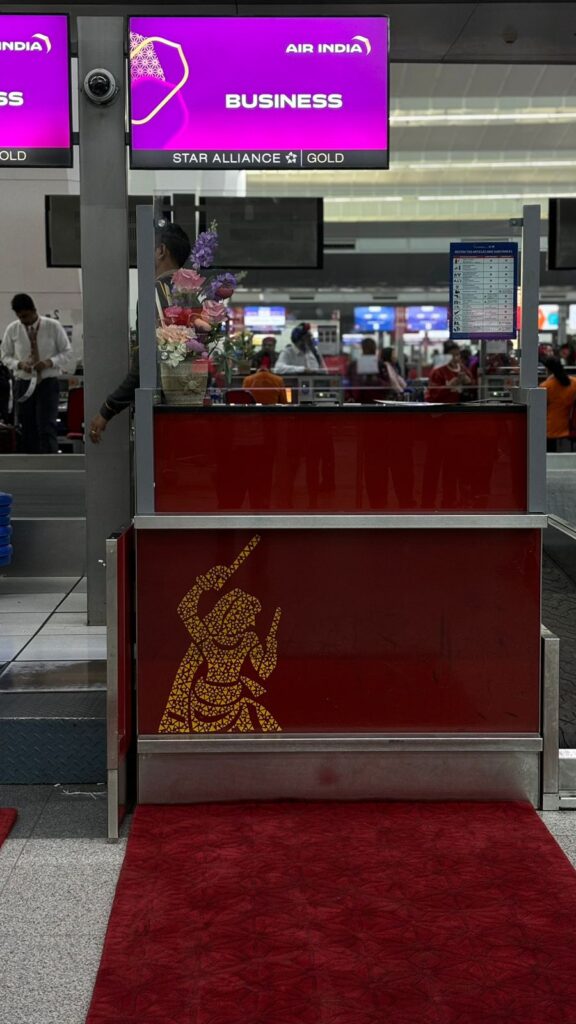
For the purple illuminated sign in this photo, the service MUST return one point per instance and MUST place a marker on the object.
(270, 93)
(35, 118)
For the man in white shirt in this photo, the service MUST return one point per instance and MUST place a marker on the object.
(36, 349)
(300, 355)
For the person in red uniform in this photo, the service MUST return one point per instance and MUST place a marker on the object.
(446, 383)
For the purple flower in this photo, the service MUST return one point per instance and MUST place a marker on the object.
(204, 249)
(193, 345)
(221, 281)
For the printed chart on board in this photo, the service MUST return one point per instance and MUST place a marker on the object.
(483, 290)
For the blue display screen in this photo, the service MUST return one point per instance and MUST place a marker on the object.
(265, 317)
(374, 318)
(426, 318)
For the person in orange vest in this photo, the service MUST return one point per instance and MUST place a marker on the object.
(560, 397)
(266, 387)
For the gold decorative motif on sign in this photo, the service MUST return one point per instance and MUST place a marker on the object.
(222, 699)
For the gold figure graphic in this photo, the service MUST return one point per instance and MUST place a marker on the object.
(222, 700)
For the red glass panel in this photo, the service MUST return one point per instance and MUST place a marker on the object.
(409, 630)
(124, 587)
(282, 460)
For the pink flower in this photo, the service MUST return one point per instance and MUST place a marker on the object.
(176, 315)
(215, 312)
(186, 280)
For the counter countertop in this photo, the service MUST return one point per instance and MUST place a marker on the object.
(350, 407)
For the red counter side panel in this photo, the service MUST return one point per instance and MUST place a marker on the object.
(337, 461)
(338, 631)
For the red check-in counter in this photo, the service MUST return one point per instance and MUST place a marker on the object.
(339, 602)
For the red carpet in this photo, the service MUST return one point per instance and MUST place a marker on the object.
(7, 818)
(351, 913)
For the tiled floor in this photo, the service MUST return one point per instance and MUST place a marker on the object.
(44, 621)
(57, 880)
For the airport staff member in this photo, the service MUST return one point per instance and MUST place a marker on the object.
(36, 349)
(300, 354)
(171, 252)
(266, 387)
(447, 383)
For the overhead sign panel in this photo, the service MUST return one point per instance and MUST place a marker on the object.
(35, 114)
(270, 93)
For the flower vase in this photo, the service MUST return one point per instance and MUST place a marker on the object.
(186, 383)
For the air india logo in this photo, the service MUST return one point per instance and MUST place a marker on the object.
(214, 690)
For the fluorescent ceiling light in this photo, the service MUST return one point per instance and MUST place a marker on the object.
(450, 198)
(494, 195)
(481, 165)
(514, 116)
(362, 199)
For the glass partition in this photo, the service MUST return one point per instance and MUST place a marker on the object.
(230, 327)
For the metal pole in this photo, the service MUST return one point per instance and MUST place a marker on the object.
(144, 421)
(146, 296)
(534, 397)
(530, 296)
(104, 249)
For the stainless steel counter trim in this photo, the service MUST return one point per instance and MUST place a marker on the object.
(112, 686)
(562, 524)
(298, 744)
(535, 521)
(550, 670)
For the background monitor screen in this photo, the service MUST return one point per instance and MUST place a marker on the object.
(35, 112)
(374, 318)
(265, 318)
(265, 233)
(426, 318)
(267, 93)
(63, 228)
(548, 317)
(562, 234)
(572, 317)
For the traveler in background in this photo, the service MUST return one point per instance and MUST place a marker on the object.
(171, 252)
(300, 355)
(36, 349)
(447, 383)
(268, 354)
(560, 396)
(440, 359)
(390, 373)
(366, 381)
(266, 387)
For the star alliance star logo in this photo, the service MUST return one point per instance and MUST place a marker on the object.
(291, 158)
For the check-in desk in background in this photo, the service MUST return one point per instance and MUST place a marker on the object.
(338, 603)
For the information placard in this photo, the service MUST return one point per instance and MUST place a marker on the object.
(35, 111)
(483, 290)
(268, 93)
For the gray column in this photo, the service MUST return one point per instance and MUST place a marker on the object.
(530, 295)
(104, 225)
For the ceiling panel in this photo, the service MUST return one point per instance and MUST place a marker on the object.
(503, 138)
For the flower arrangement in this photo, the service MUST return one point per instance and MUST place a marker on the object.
(197, 320)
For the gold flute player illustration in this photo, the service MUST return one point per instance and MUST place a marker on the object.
(222, 698)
